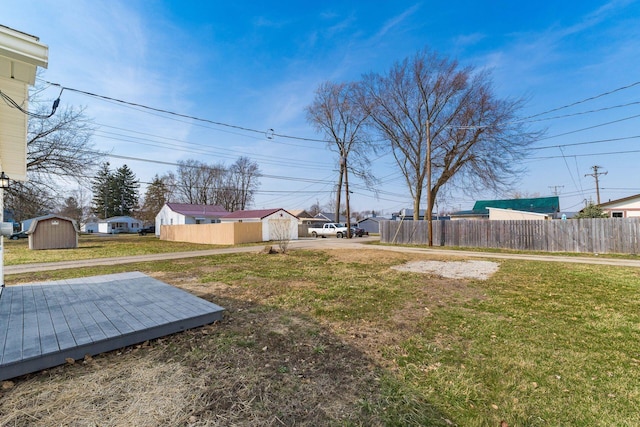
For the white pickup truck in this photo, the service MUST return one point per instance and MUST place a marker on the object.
(329, 229)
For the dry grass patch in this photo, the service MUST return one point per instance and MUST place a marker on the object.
(128, 391)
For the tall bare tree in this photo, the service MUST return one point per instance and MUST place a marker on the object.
(232, 188)
(242, 181)
(197, 182)
(446, 119)
(60, 146)
(337, 113)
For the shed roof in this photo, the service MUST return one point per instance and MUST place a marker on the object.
(204, 211)
(537, 204)
(543, 205)
(254, 214)
(34, 222)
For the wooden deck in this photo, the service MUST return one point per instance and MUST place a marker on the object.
(42, 324)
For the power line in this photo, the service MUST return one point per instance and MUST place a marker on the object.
(588, 128)
(269, 133)
(583, 100)
(585, 142)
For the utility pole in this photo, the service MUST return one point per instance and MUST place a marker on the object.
(595, 175)
(429, 201)
(555, 188)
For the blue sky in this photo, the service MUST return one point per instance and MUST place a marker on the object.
(256, 65)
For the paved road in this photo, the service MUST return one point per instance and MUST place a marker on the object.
(309, 243)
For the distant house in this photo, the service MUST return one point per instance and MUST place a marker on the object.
(540, 205)
(24, 225)
(330, 217)
(627, 207)
(91, 226)
(371, 224)
(53, 232)
(407, 214)
(276, 223)
(303, 216)
(186, 213)
(119, 224)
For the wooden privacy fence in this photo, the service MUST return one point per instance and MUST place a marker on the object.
(231, 233)
(602, 235)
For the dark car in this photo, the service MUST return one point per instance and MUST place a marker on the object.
(147, 230)
(358, 232)
(19, 235)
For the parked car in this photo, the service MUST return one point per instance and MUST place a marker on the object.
(19, 235)
(147, 230)
(358, 232)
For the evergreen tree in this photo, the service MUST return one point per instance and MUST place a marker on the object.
(101, 187)
(125, 190)
(154, 198)
(114, 193)
(591, 211)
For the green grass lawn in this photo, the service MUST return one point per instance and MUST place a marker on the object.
(537, 344)
(97, 246)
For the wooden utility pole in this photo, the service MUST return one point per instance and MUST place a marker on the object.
(595, 175)
(556, 191)
(428, 210)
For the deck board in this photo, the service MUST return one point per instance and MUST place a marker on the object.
(42, 324)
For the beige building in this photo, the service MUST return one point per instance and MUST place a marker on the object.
(498, 214)
(53, 232)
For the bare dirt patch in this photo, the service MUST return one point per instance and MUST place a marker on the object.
(481, 270)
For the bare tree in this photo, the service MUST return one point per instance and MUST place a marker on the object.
(281, 231)
(337, 113)
(243, 181)
(445, 125)
(197, 182)
(232, 188)
(59, 147)
(25, 201)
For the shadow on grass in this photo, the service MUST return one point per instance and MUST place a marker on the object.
(270, 366)
(259, 366)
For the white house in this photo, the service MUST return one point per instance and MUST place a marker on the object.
(186, 213)
(119, 224)
(277, 224)
(627, 207)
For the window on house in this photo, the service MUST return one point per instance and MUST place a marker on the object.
(617, 214)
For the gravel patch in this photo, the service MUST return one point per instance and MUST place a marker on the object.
(454, 269)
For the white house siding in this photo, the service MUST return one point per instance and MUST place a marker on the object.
(166, 216)
(623, 209)
(274, 226)
(119, 224)
(271, 224)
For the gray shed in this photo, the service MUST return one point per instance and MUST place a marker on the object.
(53, 232)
